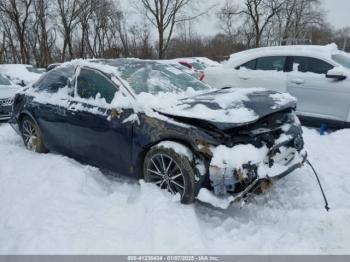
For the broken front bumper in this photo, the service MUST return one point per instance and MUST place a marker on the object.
(281, 160)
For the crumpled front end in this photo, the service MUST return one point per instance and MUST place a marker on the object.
(264, 154)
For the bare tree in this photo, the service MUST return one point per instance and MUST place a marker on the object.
(17, 12)
(228, 20)
(164, 15)
(44, 34)
(257, 14)
(68, 12)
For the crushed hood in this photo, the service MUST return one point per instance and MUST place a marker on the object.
(231, 107)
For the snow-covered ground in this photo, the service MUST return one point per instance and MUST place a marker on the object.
(50, 204)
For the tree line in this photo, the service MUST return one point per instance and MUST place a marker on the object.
(42, 32)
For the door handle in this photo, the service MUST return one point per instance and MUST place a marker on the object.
(244, 77)
(298, 81)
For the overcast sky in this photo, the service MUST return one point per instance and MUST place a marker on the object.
(338, 14)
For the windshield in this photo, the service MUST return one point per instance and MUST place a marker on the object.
(342, 59)
(4, 81)
(198, 66)
(153, 77)
(33, 69)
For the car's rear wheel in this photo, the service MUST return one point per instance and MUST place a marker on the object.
(31, 136)
(170, 171)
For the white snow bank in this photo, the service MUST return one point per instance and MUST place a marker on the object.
(50, 204)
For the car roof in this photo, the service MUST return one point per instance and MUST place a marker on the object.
(317, 51)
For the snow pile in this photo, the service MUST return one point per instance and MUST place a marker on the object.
(51, 204)
(237, 156)
(206, 196)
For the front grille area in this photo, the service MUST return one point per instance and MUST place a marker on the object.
(6, 102)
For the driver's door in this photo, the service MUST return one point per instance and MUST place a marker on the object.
(99, 135)
(318, 96)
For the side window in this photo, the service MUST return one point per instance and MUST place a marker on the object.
(249, 65)
(271, 63)
(56, 79)
(309, 64)
(91, 83)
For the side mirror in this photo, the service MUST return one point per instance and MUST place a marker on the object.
(337, 74)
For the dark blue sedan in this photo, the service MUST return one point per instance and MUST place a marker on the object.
(155, 122)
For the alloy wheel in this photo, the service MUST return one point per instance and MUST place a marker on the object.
(30, 134)
(166, 173)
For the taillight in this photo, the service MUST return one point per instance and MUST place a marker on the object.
(201, 75)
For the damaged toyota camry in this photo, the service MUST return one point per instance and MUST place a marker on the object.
(154, 122)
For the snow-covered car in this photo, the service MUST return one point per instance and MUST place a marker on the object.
(21, 74)
(154, 122)
(318, 76)
(7, 94)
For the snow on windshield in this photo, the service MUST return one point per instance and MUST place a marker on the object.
(152, 77)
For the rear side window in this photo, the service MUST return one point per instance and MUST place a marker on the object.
(56, 79)
(311, 65)
(4, 81)
(271, 63)
(93, 84)
(249, 65)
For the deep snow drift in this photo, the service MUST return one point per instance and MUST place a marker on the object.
(50, 204)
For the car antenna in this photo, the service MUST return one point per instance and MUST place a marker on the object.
(319, 183)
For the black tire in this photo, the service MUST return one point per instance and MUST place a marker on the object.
(31, 135)
(154, 171)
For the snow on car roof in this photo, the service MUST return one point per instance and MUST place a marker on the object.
(323, 52)
(225, 106)
(20, 72)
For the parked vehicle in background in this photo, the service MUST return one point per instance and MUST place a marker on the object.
(7, 93)
(21, 74)
(318, 76)
(152, 121)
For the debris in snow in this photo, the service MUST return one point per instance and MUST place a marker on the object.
(206, 196)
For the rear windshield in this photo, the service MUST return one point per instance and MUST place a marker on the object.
(342, 59)
(4, 81)
(33, 69)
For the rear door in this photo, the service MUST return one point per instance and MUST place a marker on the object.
(267, 72)
(318, 97)
(99, 134)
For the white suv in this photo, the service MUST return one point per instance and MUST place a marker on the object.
(7, 93)
(318, 76)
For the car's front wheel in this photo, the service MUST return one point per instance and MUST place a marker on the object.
(31, 135)
(170, 171)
